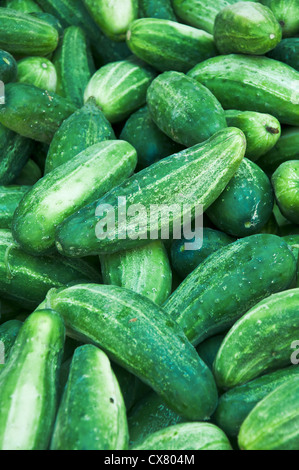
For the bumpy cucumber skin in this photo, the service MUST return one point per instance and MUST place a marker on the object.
(273, 423)
(120, 88)
(209, 348)
(138, 335)
(246, 28)
(196, 176)
(22, 34)
(236, 404)
(28, 383)
(262, 131)
(52, 20)
(8, 67)
(229, 283)
(10, 197)
(156, 9)
(98, 169)
(32, 112)
(246, 204)
(37, 71)
(252, 84)
(187, 436)
(286, 149)
(286, 13)
(145, 270)
(84, 128)
(288, 52)
(8, 333)
(98, 422)
(180, 48)
(29, 175)
(260, 341)
(185, 261)
(184, 110)
(25, 6)
(285, 181)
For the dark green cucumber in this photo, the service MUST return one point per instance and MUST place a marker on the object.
(185, 261)
(22, 34)
(293, 242)
(10, 197)
(246, 28)
(26, 279)
(271, 226)
(74, 65)
(196, 176)
(183, 109)
(29, 382)
(246, 204)
(168, 45)
(37, 71)
(287, 51)
(260, 341)
(156, 9)
(29, 175)
(286, 13)
(86, 127)
(8, 333)
(187, 436)
(52, 20)
(24, 6)
(8, 67)
(262, 131)
(252, 84)
(285, 182)
(99, 421)
(229, 283)
(144, 270)
(209, 348)
(128, 384)
(157, 352)
(236, 404)
(120, 88)
(273, 424)
(286, 149)
(32, 112)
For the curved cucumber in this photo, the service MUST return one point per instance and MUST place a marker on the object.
(287, 51)
(8, 333)
(24, 6)
(37, 71)
(286, 13)
(286, 149)
(285, 181)
(156, 9)
(8, 67)
(10, 197)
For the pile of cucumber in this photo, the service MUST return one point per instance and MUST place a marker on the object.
(133, 340)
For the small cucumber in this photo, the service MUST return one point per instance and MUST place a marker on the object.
(285, 181)
(286, 149)
(29, 175)
(10, 197)
(8, 67)
(286, 13)
(287, 51)
(208, 350)
(8, 333)
(37, 71)
(156, 9)
(24, 6)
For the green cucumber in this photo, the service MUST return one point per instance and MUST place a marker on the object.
(260, 341)
(120, 88)
(74, 65)
(26, 279)
(24, 6)
(127, 383)
(29, 382)
(158, 352)
(37, 71)
(32, 112)
(293, 242)
(99, 421)
(58, 195)
(144, 270)
(271, 226)
(187, 436)
(288, 52)
(8, 333)
(252, 84)
(8, 67)
(236, 404)
(229, 283)
(51, 20)
(84, 128)
(285, 182)
(196, 176)
(22, 34)
(183, 109)
(10, 197)
(262, 131)
(273, 423)
(29, 175)
(246, 204)
(246, 28)
(156, 9)
(286, 13)
(168, 45)
(208, 350)
(286, 149)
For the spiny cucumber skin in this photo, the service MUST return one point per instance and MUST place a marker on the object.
(37, 71)
(229, 283)
(285, 181)
(286, 149)
(287, 51)
(99, 421)
(286, 13)
(156, 9)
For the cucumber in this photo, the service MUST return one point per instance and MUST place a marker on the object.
(127, 383)
(229, 283)
(285, 181)
(286, 149)
(168, 45)
(24, 6)
(271, 226)
(29, 175)
(51, 20)
(8, 67)
(32, 112)
(286, 12)
(108, 315)
(252, 84)
(260, 341)
(236, 404)
(26, 279)
(10, 197)
(99, 421)
(8, 310)
(170, 181)
(208, 350)
(98, 169)
(246, 28)
(39, 72)
(246, 204)
(74, 65)
(156, 9)
(120, 88)
(8, 333)
(144, 270)
(262, 131)
(22, 34)
(84, 128)
(28, 383)
(187, 436)
(184, 110)
(113, 16)
(287, 51)
(273, 423)
(150, 143)
(185, 261)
